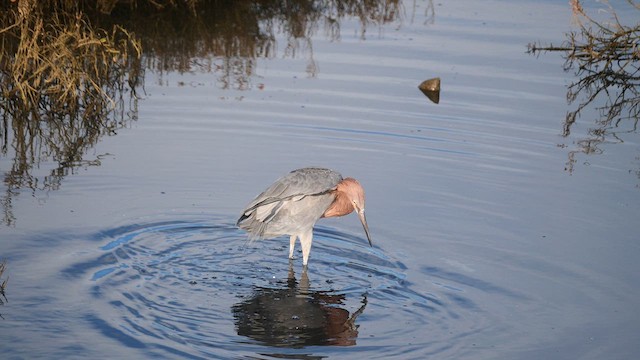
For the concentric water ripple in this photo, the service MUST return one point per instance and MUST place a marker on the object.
(199, 289)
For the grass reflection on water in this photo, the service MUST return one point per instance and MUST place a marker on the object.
(71, 72)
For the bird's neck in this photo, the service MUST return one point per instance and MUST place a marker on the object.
(340, 206)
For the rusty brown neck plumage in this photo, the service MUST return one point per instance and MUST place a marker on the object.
(342, 204)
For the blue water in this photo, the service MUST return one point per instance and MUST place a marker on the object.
(486, 246)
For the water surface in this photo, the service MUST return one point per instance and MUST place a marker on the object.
(484, 245)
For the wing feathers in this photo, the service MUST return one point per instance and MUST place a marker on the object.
(292, 187)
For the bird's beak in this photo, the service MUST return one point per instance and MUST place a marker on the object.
(363, 220)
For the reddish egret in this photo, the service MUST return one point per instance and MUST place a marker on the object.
(296, 201)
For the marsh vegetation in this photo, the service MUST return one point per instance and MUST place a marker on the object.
(72, 72)
(605, 56)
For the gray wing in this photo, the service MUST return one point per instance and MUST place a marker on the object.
(293, 186)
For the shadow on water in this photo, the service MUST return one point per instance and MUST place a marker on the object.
(296, 316)
(55, 111)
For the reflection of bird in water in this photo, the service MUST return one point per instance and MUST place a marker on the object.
(295, 316)
(295, 202)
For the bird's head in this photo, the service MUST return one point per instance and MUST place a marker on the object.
(355, 193)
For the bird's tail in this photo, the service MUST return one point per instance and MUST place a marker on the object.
(255, 228)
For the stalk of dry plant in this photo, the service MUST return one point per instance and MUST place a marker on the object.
(605, 56)
(3, 285)
(67, 66)
(62, 86)
(56, 63)
(606, 59)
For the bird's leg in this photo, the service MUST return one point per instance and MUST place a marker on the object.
(305, 240)
(292, 245)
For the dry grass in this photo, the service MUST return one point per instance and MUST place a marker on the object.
(62, 85)
(54, 57)
(605, 56)
(67, 67)
(55, 63)
(606, 60)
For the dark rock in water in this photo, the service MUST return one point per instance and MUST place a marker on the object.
(431, 88)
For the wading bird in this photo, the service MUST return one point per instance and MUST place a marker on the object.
(296, 201)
